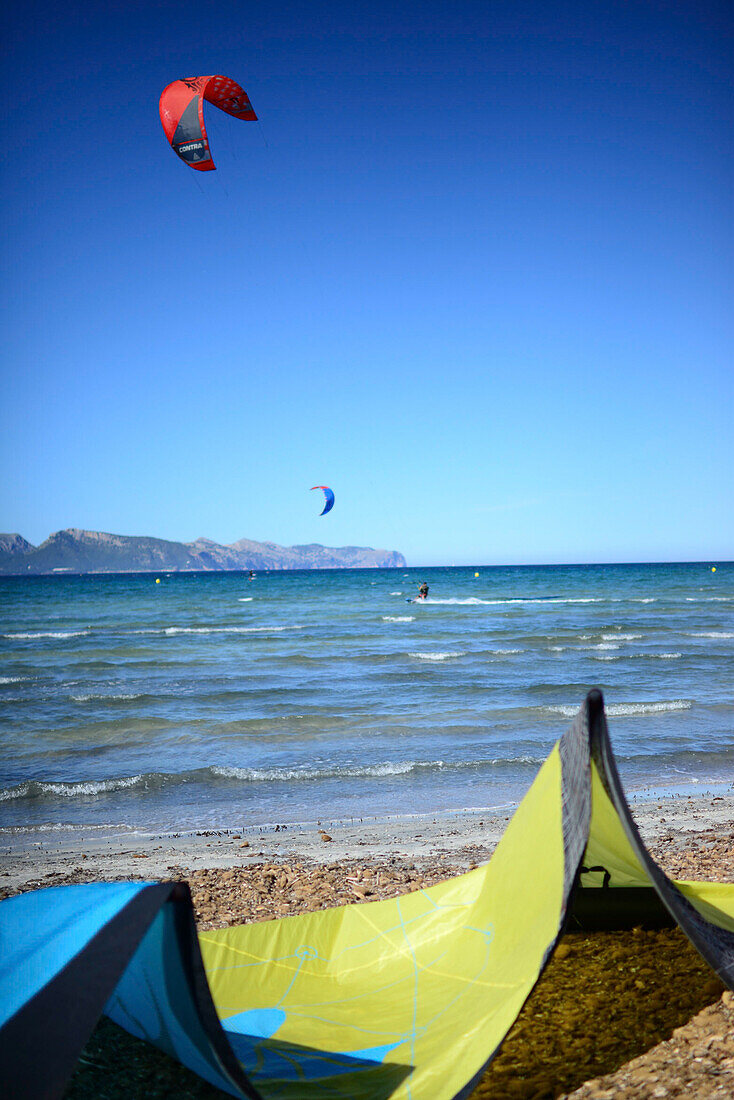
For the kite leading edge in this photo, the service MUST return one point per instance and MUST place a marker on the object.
(181, 109)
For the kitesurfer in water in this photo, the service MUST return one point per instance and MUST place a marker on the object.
(252, 574)
(423, 591)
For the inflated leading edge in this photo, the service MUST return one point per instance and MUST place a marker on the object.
(409, 997)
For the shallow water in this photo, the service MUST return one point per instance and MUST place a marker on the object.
(208, 698)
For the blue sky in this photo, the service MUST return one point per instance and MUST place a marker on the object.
(472, 269)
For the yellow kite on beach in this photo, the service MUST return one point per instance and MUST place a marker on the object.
(408, 998)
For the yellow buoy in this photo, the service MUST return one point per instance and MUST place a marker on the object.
(713, 568)
(476, 574)
(158, 580)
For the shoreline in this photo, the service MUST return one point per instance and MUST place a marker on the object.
(461, 838)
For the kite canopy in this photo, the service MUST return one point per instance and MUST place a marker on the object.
(182, 114)
(328, 495)
(409, 997)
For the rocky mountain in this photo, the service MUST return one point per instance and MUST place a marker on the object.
(76, 551)
(14, 544)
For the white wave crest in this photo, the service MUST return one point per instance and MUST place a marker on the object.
(396, 593)
(271, 775)
(470, 601)
(623, 710)
(620, 637)
(70, 790)
(359, 771)
(47, 634)
(104, 698)
(221, 629)
(436, 656)
(713, 634)
(398, 618)
(628, 710)
(638, 657)
(245, 599)
(11, 679)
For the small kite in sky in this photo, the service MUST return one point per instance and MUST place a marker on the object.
(182, 114)
(328, 495)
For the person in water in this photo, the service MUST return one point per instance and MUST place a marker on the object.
(423, 591)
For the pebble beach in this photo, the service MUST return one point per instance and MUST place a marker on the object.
(671, 826)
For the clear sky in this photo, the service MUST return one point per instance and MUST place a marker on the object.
(473, 269)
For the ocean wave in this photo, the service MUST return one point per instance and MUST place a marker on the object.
(245, 599)
(627, 710)
(40, 791)
(156, 781)
(398, 618)
(47, 634)
(671, 763)
(620, 637)
(471, 601)
(364, 771)
(396, 593)
(436, 656)
(637, 657)
(93, 698)
(221, 629)
(34, 788)
(25, 635)
(357, 771)
(12, 679)
(713, 634)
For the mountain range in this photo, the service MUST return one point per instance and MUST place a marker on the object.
(76, 551)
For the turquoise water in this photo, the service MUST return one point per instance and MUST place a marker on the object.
(208, 700)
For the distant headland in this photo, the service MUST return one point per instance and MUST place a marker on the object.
(76, 551)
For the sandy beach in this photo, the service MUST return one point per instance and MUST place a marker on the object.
(669, 826)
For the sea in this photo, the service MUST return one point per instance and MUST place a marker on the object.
(195, 701)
